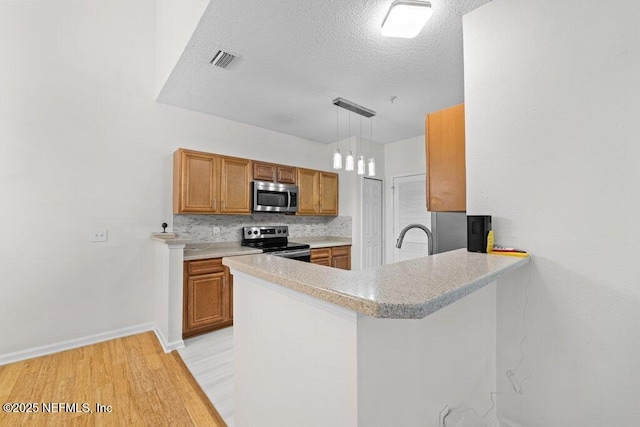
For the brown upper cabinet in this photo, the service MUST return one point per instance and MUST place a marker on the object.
(318, 192)
(274, 173)
(205, 183)
(445, 148)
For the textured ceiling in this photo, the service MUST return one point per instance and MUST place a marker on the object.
(297, 56)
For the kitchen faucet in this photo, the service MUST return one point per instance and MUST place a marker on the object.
(421, 227)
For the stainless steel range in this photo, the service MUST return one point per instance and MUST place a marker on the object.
(274, 240)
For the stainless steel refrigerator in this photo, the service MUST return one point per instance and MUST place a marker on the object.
(449, 231)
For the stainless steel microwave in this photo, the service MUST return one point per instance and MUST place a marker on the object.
(274, 197)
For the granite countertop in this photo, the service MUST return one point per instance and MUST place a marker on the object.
(322, 242)
(195, 251)
(216, 250)
(404, 290)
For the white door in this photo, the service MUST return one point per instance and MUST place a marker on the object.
(410, 207)
(372, 223)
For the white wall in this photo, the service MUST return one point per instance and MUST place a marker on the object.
(295, 358)
(175, 22)
(410, 369)
(406, 157)
(83, 146)
(552, 107)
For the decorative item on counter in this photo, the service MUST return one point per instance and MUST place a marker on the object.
(478, 228)
(164, 235)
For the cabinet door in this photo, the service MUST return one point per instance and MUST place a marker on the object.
(308, 188)
(446, 176)
(328, 193)
(341, 257)
(286, 174)
(235, 185)
(206, 302)
(321, 256)
(322, 261)
(264, 171)
(229, 278)
(320, 253)
(195, 184)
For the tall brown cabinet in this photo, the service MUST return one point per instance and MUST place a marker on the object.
(446, 172)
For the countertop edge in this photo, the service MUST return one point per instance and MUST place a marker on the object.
(222, 249)
(220, 253)
(448, 298)
(274, 271)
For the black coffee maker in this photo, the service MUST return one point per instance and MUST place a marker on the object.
(478, 227)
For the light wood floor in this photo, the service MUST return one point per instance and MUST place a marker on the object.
(209, 357)
(144, 386)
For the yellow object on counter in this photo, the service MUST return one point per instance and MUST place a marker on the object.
(518, 254)
(490, 242)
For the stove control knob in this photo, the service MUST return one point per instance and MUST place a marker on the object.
(255, 231)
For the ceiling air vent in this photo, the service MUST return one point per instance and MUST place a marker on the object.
(223, 59)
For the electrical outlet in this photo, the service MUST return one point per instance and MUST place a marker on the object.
(99, 235)
(308, 229)
(216, 231)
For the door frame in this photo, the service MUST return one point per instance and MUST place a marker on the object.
(390, 233)
(382, 219)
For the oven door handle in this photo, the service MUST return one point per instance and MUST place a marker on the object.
(290, 254)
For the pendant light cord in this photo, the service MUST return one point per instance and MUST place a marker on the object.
(360, 135)
(371, 137)
(349, 133)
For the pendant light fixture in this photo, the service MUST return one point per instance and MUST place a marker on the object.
(348, 163)
(337, 156)
(360, 157)
(372, 161)
(349, 160)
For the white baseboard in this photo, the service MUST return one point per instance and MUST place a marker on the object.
(168, 347)
(44, 350)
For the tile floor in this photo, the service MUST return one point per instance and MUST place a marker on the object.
(209, 357)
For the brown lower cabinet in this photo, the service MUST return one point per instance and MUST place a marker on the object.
(208, 297)
(337, 257)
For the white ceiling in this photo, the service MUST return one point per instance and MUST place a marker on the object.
(297, 56)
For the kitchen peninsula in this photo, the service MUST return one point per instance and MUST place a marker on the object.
(386, 346)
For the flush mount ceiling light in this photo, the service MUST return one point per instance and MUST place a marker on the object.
(406, 18)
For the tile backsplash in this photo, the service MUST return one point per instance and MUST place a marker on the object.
(199, 228)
